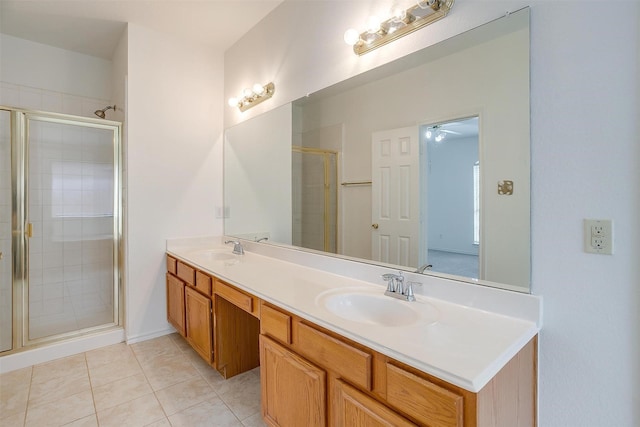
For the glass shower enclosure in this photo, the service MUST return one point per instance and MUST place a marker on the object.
(60, 227)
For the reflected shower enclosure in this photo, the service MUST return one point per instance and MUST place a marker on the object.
(315, 198)
(61, 227)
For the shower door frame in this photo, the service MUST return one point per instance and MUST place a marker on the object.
(21, 228)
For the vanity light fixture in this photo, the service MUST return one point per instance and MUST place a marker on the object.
(254, 96)
(401, 23)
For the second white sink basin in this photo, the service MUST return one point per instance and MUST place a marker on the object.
(372, 307)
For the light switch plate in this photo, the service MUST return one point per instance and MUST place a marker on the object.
(598, 236)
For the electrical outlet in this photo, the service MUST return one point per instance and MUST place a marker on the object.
(597, 242)
(597, 231)
(598, 236)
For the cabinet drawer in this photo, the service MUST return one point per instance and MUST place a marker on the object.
(172, 265)
(349, 362)
(238, 298)
(420, 399)
(203, 283)
(187, 273)
(354, 408)
(275, 324)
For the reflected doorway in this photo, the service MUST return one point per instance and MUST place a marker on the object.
(450, 168)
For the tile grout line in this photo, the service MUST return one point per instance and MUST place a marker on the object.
(93, 397)
(26, 408)
(166, 417)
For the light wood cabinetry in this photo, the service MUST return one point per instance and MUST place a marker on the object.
(311, 376)
(175, 303)
(199, 325)
(219, 321)
(240, 299)
(423, 400)
(346, 360)
(367, 388)
(293, 389)
(353, 408)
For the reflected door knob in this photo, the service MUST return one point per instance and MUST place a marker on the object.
(374, 226)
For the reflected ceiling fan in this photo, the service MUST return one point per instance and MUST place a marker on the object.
(439, 132)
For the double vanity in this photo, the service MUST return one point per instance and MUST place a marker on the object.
(335, 350)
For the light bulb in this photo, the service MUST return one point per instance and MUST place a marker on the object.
(429, 134)
(233, 102)
(439, 138)
(399, 14)
(351, 36)
(247, 93)
(258, 89)
(373, 24)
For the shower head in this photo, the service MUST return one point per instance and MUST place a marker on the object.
(100, 113)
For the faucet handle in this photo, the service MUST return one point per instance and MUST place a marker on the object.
(408, 291)
(390, 279)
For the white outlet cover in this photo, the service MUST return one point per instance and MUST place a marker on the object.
(596, 242)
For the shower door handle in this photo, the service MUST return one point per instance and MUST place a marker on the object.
(29, 230)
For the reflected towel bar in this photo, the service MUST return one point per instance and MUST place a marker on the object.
(356, 183)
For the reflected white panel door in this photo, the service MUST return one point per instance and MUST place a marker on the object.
(395, 220)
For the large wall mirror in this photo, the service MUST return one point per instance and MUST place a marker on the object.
(422, 163)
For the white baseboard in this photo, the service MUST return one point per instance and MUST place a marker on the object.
(132, 339)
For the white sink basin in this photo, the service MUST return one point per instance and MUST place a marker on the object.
(215, 255)
(372, 307)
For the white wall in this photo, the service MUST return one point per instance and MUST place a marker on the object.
(36, 65)
(584, 99)
(449, 177)
(258, 198)
(174, 162)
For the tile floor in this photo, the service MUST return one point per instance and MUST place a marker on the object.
(160, 382)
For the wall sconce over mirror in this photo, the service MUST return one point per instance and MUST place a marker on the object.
(254, 96)
(401, 23)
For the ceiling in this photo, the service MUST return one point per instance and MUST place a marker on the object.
(94, 27)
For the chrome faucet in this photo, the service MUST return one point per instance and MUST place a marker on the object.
(397, 288)
(237, 247)
(262, 239)
(423, 267)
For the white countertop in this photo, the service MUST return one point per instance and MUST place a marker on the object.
(458, 343)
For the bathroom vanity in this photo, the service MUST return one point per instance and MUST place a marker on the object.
(328, 360)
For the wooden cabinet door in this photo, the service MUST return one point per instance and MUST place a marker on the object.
(352, 408)
(175, 303)
(199, 325)
(293, 390)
